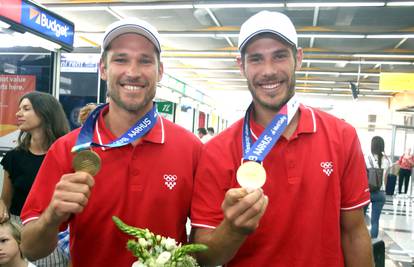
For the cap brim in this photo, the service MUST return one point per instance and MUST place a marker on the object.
(130, 28)
(243, 44)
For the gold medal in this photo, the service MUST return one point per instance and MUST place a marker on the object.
(251, 175)
(87, 161)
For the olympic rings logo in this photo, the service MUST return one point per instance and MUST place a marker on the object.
(327, 165)
(170, 178)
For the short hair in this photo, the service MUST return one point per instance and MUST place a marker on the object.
(202, 130)
(85, 111)
(53, 119)
(15, 230)
(210, 130)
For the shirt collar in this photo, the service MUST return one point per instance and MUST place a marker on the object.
(306, 124)
(104, 135)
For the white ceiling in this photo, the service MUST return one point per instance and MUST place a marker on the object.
(342, 43)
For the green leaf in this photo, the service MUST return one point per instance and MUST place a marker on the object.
(136, 232)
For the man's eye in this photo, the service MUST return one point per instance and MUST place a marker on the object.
(254, 59)
(145, 61)
(281, 56)
(120, 60)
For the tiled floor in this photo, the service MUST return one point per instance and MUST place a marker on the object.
(397, 230)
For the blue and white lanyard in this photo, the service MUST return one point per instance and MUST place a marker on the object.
(139, 129)
(259, 150)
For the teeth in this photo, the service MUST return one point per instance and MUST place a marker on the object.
(132, 87)
(270, 86)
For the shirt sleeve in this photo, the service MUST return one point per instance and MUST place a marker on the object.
(213, 178)
(354, 182)
(7, 162)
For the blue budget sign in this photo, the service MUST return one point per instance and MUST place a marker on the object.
(51, 26)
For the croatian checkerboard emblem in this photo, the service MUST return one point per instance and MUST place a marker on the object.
(170, 180)
(327, 167)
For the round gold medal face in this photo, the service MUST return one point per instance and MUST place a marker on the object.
(251, 175)
(87, 161)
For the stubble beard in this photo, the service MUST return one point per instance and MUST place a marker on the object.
(277, 106)
(133, 107)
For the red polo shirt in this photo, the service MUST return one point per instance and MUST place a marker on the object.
(148, 186)
(311, 178)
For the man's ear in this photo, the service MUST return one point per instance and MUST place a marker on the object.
(160, 71)
(241, 65)
(102, 69)
(299, 58)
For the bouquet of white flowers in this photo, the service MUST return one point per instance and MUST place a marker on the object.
(157, 251)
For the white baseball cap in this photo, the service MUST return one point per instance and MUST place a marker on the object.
(131, 25)
(268, 22)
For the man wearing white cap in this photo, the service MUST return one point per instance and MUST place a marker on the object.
(285, 185)
(123, 162)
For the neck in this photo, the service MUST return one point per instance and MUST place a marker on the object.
(264, 116)
(37, 142)
(118, 120)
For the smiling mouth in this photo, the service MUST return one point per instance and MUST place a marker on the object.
(133, 87)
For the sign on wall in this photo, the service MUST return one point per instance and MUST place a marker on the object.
(12, 88)
(392, 81)
(36, 19)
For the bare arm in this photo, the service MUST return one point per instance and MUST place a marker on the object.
(6, 197)
(39, 237)
(356, 242)
(242, 213)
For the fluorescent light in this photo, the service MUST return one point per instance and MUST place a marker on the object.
(364, 62)
(336, 4)
(239, 5)
(203, 70)
(400, 3)
(199, 58)
(383, 56)
(314, 81)
(201, 53)
(127, 6)
(332, 73)
(150, 7)
(113, 13)
(333, 36)
(389, 36)
(76, 7)
(199, 34)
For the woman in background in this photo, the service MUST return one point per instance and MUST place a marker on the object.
(406, 163)
(41, 121)
(377, 159)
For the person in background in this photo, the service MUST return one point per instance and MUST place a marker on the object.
(406, 163)
(309, 211)
(41, 121)
(146, 170)
(10, 238)
(202, 134)
(210, 131)
(85, 111)
(377, 159)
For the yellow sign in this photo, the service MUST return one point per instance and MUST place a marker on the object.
(392, 81)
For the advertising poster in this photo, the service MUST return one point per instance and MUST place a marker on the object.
(12, 88)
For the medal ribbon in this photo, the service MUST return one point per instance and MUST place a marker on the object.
(139, 129)
(259, 150)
